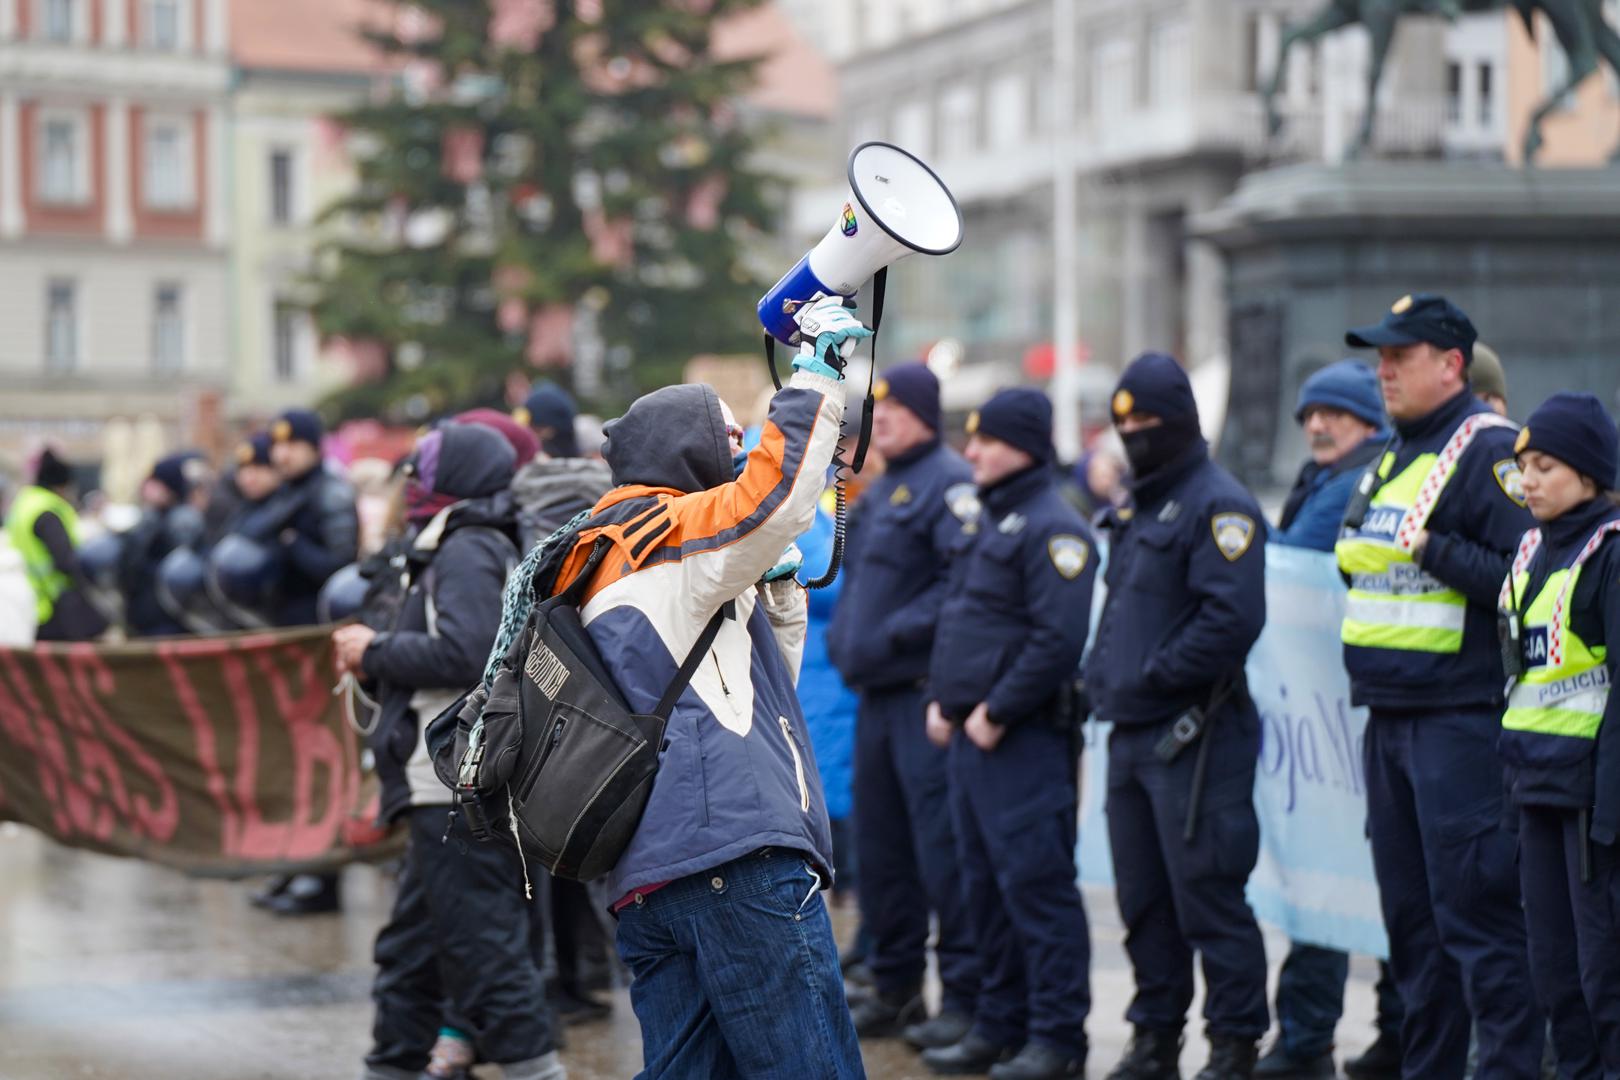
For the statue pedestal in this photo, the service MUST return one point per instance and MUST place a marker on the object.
(1533, 257)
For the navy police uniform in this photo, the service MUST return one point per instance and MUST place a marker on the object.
(1421, 651)
(1559, 744)
(320, 533)
(1010, 637)
(880, 638)
(1186, 602)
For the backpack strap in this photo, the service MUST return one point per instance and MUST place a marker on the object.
(689, 666)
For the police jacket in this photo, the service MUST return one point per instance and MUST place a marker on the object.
(1550, 758)
(455, 574)
(322, 531)
(895, 568)
(1013, 626)
(155, 534)
(737, 772)
(1186, 593)
(1474, 527)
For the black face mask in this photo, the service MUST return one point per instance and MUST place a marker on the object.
(1151, 449)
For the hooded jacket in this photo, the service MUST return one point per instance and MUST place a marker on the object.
(455, 574)
(737, 772)
(550, 491)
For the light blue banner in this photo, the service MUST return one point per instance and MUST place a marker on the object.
(1315, 878)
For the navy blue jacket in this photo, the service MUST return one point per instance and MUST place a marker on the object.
(895, 568)
(1572, 773)
(1473, 532)
(1013, 627)
(1186, 593)
(322, 537)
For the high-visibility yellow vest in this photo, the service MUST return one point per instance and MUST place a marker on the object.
(47, 580)
(1393, 603)
(1565, 684)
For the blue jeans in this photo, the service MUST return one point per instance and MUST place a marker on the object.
(736, 976)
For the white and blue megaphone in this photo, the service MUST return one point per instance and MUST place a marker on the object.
(897, 206)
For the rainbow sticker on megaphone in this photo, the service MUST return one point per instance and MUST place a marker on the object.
(896, 191)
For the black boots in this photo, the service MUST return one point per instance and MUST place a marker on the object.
(1381, 1061)
(1151, 1055)
(1041, 1061)
(946, 1029)
(973, 1056)
(1229, 1059)
(882, 1015)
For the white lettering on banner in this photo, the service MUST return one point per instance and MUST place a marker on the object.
(1314, 879)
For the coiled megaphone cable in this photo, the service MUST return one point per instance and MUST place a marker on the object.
(843, 469)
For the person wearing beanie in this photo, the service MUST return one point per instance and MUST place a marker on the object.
(1487, 378)
(43, 528)
(312, 521)
(1426, 542)
(550, 411)
(169, 522)
(437, 946)
(1561, 605)
(1342, 415)
(1000, 680)
(524, 442)
(1186, 602)
(880, 640)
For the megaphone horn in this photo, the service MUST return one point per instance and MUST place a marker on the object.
(896, 206)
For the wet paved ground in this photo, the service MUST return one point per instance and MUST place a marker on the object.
(116, 969)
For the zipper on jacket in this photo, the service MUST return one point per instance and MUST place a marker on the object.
(798, 763)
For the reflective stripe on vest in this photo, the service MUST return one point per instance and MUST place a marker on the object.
(1393, 603)
(1565, 685)
(26, 508)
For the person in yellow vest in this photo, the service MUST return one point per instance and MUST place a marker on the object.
(1427, 538)
(44, 529)
(1560, 606)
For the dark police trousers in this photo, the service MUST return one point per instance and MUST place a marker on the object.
(1015, 815)
(1574, 938)
(457, 947)
(1450, 896)
(906, 851)
(1177, 898)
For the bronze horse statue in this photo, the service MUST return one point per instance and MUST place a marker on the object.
(1578, 24)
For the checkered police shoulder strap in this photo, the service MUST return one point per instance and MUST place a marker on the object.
(1529, 544)
(1417, 516)
(1555, 633)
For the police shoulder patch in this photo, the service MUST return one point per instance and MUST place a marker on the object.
(1069, 554)
(963, 502)
(1233, 534)
(1510, 479)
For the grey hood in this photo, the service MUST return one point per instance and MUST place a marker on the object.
(670, 438)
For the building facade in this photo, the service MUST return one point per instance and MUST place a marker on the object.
(114, 219)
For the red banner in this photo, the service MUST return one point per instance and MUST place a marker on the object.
(224, 755)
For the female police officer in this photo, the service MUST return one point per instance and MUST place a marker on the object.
(1560, 608)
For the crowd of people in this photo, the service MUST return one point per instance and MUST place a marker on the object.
(916, 729)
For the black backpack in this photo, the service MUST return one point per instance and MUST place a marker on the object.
(550, 755)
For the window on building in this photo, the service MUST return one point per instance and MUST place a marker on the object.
(1169, 63)
(281, 187)
(163, 24)
(168, 329)
(1487, 102)
(1454, 92)
(61, 326)
(1007, 105)
(169, 168)
(284, 344)
(64, 175)
(959, 121)
(1113, 73)
(911, 128)
(58, 21)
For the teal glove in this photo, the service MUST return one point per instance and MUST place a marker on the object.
(831, 331)
(786, 566)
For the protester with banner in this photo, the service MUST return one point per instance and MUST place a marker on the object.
(1561, 606)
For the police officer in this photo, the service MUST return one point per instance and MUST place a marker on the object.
(1425, 546)
(168, 521)
(880, 640)
(1562, 600)
(43, 527)
(321, 534)
(1186, 601)
(1004, 664)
